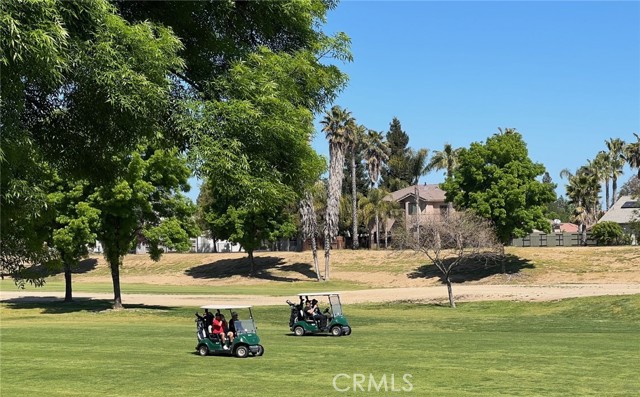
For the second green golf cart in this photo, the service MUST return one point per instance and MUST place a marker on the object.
(334, 321)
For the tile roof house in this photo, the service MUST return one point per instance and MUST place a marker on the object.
(431, 202)
(624, 211)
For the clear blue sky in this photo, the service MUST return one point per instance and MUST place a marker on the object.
(566, 74)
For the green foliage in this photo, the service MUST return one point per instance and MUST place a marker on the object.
(497, 180)
(76, 220)
(631, 187)
(254, 150)
(561, 209)
(396, 174)
(145, 202)
(607, 233)
(80, 87)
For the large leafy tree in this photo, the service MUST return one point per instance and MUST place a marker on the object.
(396, 173)
(255, 154)
(498, 181)
(75, 224)
(145, 204)
(80, 87)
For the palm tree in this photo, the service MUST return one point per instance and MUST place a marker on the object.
(418, 168)
(583, 191)
(601, 167)
(616, 160)
(355, 136)
(374, 206)
(309, 220)
(377, 153)
(335, 124)
(447, 159)
(632, 154)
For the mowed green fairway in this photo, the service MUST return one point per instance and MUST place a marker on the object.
(576, 347)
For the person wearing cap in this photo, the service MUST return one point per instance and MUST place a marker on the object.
(231, 332)
(218, 329)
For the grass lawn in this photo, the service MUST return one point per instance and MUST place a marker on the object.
(576, 347)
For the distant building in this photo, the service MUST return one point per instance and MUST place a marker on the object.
(623, 212)
(431, 202)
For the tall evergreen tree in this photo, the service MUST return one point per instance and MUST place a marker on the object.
(396, 174)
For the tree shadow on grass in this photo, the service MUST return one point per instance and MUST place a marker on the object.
(84, 266)
(474, 271)
(264, 268)
(55, 305)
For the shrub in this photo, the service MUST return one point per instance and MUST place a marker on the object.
(607, 233)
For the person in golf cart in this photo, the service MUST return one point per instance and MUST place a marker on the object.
(231, 329)
(218, 329)
(316, 315)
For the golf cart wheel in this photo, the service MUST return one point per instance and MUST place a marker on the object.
(203, 350)
(298, 331)
(260, 351)
(336, 330)
(347, 331)
(242, 351)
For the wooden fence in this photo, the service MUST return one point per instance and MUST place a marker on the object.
(551, 240)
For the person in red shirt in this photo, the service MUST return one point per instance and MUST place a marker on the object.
(218, 327)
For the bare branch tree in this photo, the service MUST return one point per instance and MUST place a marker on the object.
(451, 240)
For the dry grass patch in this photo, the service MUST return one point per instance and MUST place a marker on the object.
(383, 268)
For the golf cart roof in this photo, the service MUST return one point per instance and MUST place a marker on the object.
(223, 307)
(319, 294)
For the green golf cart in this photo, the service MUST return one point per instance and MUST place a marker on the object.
(330, 320)
(245, 341)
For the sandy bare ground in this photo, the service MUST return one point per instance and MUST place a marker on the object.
(462, 293)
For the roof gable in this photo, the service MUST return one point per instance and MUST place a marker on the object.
(427, 192)
(623, 211)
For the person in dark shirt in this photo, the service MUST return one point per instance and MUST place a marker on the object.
(208, 318)
(232, 333)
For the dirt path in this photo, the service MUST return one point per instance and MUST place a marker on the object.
(462, 293)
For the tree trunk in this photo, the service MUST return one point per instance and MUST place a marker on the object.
(417, 216)
(614, 187)
(115, 277)
(386, 236)
(452, 303)
(314, 248)
(354, 200)
(607, 194)
(377, 232)
(68, 294)
(327, 254)
(252, 269)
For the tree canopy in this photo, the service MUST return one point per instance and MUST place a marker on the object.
(498, 181)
